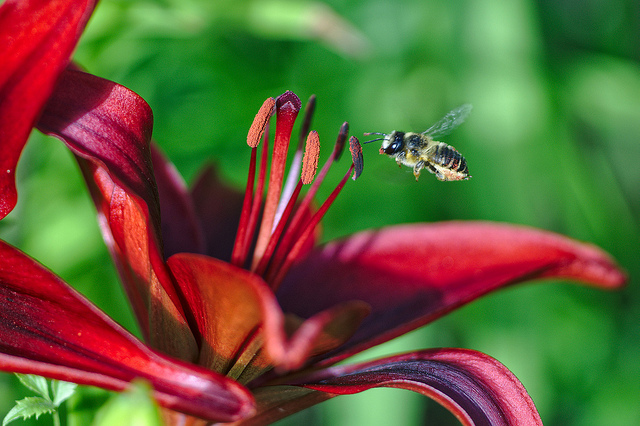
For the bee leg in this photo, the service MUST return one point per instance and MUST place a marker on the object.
(416, 169)
(437, 172)
(400, 159)
(431, 168)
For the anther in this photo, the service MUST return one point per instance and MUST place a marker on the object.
(342, 138)
(308, 115)
(310, 160)
(356, 156)
(260, 121)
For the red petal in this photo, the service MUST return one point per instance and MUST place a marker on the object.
(107, 123)
(36, 41)
(218, 207)
(476, 388)
(181, 229)
(109, 127)
(146, 278)
(321, 333)
(47, 328)
(411, 275)
(242, 326)
(230, 305)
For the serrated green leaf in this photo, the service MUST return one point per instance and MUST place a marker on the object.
(61, 391)
(38, 384)
(30, 406)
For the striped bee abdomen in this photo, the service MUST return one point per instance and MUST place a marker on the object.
(448, 157)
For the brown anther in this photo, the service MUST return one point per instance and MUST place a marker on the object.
(260, 121)
(342, 138)
(356, 156)
(310, 160)
(308, 115)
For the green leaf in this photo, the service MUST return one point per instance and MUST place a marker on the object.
(133, 407)
(38, 384)
(61, 391)
(30, 406)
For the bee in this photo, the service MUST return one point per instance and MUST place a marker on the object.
(419, 150)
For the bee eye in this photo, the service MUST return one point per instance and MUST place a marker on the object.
(396, 145)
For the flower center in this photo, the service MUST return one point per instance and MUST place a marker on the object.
(287, 225)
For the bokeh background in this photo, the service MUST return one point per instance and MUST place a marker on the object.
(552, 142)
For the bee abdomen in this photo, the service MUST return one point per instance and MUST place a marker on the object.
(447, 157)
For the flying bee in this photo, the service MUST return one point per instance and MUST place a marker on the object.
(419, 150)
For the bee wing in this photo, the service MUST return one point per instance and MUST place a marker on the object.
(453, 119)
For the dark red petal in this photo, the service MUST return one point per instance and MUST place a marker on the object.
(36, 41)
(107, 123)
(242, 327)
(145, 276)
(218, 207)
(181, 229)
(476, 388)
(230, 306)
(47, 328)
(321, 333)
(109, 128)
(411, 275)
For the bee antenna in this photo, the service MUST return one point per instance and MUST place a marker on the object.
(373, 140)
(374, 133)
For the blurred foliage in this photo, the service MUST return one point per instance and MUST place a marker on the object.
(552, 142)
(134, 407)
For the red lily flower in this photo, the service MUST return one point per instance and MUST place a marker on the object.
(263, 315)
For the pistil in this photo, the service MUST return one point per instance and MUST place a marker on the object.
(287, 107)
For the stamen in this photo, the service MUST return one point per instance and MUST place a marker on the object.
(292, 180)
(338, 148)
(310, 160)
(252, 346)
(310, 165)
(342, 138)
(257, 199)
(275, 235)
(287, 107)
(260, 121)
(356, 155)
(249, 215)
(276, 273)
(296, 225)
(308, 115)
(239, 243)
(294, 169)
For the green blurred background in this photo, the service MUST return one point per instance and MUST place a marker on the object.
(552, 142)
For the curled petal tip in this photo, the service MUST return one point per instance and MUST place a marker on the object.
(592, 266)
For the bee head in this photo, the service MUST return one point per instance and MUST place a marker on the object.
(392, 143)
